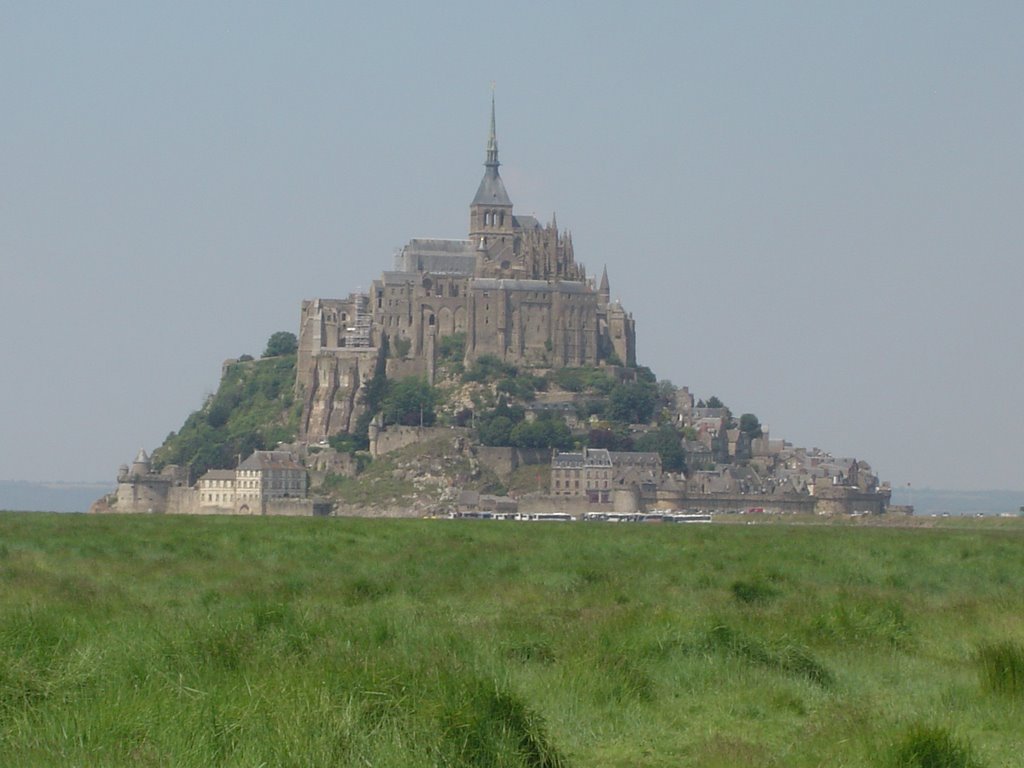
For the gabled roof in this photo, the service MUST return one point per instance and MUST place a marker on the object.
(264, 460)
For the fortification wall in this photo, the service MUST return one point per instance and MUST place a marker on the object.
(503, 460)
(400, 368)
(289, 507)
(396, 437)
(734, 502)
(841, 500)
(183, 500)
(571, 505)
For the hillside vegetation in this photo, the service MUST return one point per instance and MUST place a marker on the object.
(174, 641)
(253, 409)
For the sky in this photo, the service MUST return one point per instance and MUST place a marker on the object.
(814, 211)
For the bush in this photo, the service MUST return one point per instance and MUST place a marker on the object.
(489, 368)
(754, 591)
(452, 348)
(927, 747)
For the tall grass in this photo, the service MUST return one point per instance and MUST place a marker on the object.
(1001, 665)
(314, 642)
(930, 747)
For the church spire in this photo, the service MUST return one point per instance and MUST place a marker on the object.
(492, 190)
(492, 141)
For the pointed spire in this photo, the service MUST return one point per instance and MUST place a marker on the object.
(492, 190)
(492, 139)
(604, 288)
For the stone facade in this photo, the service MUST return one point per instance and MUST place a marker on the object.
(266, 483)
(596, 473)
(513, 288)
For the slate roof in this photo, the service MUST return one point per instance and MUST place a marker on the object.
(492, 189)
(448, 257)
(264, 460)
(561, 286)
(218, 474)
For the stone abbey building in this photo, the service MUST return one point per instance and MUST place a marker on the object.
(513, 287)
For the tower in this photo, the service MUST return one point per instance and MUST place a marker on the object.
(490, 213)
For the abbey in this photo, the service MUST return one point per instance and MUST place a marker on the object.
(512, 289)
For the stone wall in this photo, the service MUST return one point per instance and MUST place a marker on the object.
(503, 461)
(395, 437)
(288, 507)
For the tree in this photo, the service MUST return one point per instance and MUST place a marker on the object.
(281, 343)
(496, 431)
(409, 401)
(632, 402)
(714, 402)
(751, 426)
(613, 440)
(542, 433)
(667, 443)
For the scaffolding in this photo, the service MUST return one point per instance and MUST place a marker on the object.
(358, 333)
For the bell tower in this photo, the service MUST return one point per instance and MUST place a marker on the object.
(490, 213)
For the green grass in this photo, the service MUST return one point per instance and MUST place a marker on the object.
(173, 641)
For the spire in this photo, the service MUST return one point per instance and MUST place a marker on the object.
(604, 289)
(492, 189)
(492, 140)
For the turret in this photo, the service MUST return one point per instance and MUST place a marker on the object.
(141, 464)
(604, 291)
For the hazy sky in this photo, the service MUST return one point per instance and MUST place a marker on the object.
(814, 210)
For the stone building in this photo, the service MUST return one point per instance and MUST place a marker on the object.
(266, 483)
(596, 473)
(513, 287)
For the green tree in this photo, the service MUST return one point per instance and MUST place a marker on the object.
(632, 402)
(714, 402)
(666, 442)
(612, 439)
(751, 426)
(496, 430)
(281, 343)
(409, 401)
(542, 433)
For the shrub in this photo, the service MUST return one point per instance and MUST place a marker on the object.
(754, 591)
(927, 747)
(489, 368)
(452, 348)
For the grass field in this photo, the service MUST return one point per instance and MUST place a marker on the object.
(162, 641)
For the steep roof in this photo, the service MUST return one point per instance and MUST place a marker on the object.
(264, 460)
